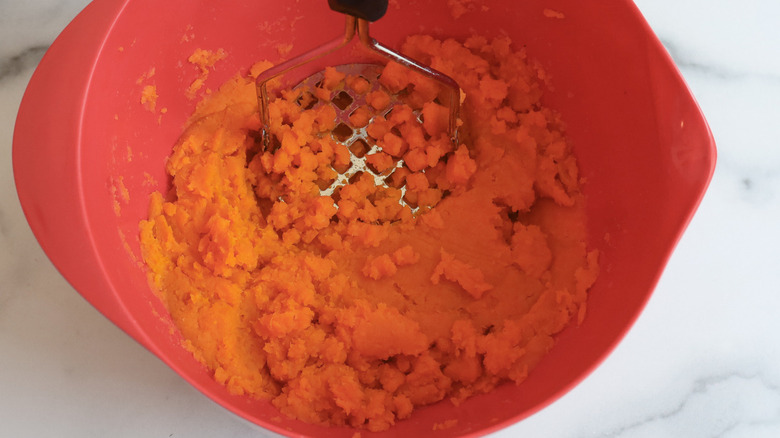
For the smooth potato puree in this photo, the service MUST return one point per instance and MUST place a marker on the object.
(351, 309)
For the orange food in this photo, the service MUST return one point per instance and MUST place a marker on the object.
(380, 161)
(350, 308)
(332, 78)
(204, 60)
(149, 97)
(360, 117)
(551, 13)
(378, 99)
(358, 84)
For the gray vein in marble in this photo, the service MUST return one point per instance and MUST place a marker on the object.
(736, 425)
(702, 387)
(684, 62)
(755, 185)
(27, 58)
(759, 187)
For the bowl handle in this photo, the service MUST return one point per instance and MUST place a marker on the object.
(46, 161)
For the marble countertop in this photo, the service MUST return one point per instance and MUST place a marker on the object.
(66, 371)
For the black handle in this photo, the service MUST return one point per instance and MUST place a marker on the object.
(369, 10)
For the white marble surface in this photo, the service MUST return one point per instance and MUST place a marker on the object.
(702, 361)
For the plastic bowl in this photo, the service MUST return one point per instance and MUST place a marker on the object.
(643, 146)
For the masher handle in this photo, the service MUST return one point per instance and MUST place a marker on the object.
(369, 10)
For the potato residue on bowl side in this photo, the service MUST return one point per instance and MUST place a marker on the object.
(351, 309)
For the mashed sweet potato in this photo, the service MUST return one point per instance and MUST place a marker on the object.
(351, 309)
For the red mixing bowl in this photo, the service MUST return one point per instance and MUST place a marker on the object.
(81, 135)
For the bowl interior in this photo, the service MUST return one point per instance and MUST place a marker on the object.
(644, 150)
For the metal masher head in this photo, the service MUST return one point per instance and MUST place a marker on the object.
(358, 14)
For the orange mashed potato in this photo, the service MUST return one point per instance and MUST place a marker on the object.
(352, 309)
